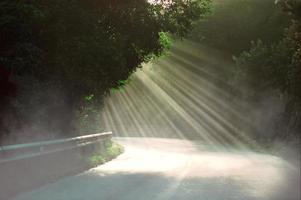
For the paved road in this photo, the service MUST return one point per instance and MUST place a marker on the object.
(160, 169)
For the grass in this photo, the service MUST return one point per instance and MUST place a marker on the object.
(112, 151)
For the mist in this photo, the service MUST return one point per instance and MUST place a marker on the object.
(198, 98)
(196, 91)
(186, 95)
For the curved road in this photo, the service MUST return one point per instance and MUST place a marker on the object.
(161, 169)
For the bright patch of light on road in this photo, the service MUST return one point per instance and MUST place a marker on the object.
(177, 169)
(258, 175)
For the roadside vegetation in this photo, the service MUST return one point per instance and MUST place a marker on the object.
(263, 40)
(273, 69)
(112, 151)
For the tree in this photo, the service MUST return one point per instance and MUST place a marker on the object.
(277, 67)
(86, 47)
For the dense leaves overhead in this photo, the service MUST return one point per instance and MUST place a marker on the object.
(89, 43)
(83, 47)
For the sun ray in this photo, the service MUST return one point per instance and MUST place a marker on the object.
(181, 96)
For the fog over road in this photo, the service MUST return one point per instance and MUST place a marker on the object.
(159, 169)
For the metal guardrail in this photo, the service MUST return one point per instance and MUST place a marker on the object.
(21, 151)
(24, 167)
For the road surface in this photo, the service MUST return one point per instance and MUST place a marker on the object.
(171, 169)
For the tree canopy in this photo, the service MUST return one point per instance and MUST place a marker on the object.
(84, 47)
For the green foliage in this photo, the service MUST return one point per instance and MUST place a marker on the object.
(121, 85)
(277, 67)
(96, 160)
(86, 47)
(165, 40)
(89, 97)
(112, 151)
(65, 40)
